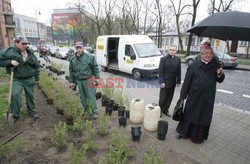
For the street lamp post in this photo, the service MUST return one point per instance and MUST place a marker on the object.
(38, 33)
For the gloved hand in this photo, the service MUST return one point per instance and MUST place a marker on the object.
(72, 85)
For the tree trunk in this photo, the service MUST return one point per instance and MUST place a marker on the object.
(99, 29)
(179, 34)
(160, 33)
(247, 50)
(228, 47)
(190, 37)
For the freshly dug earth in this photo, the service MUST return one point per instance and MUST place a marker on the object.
(34, 145)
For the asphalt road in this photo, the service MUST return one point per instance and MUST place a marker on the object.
(233, 93)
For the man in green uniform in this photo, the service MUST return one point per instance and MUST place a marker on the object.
(26, 75)
(82, 67)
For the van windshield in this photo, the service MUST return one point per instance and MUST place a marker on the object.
(147, 50)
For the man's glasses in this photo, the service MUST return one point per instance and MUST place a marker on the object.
(24, 44)
(172, 50)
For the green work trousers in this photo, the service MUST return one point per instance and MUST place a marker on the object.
(28, 85)
(87, 93)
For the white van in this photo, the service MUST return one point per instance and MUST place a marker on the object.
(132, 54)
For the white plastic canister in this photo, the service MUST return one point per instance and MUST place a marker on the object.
(151, 117)
(136, 111)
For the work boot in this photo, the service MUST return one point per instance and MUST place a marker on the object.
(35, 116)
(95, 116)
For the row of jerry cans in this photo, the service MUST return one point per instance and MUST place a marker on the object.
(149, 114)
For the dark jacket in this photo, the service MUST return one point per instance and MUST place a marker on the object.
(83, 67)
(199, 88)
(27, 68)
(170, 71)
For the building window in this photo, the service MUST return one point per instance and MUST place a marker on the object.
(186, 41)
(243, 43)
(193, 41)
(167, 41)
(171, 41)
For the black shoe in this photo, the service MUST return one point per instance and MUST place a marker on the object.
(178, 136)
(167, 114)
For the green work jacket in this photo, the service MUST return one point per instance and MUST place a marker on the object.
(83, 67)
(28, 68)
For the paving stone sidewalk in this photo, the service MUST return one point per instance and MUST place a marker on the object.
(228, 140)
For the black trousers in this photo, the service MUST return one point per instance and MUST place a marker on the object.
(166, 97)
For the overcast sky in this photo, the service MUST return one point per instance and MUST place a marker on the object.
(29, 8)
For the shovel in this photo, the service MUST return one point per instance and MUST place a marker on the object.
(8, 116)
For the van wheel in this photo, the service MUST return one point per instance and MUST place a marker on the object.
(137, 74)
(104, 69)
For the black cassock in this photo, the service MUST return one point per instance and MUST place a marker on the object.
(199, 88)
(170, 74)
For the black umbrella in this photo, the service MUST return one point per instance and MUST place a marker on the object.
(232, 25)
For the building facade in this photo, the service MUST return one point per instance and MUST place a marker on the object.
(7, 25)
(66, 25)
(34, 31)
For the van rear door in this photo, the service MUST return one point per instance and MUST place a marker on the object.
(101, 51)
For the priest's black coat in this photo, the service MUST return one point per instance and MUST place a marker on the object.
(199, 88)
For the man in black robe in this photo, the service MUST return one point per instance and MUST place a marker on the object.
(199, 88)
(169, 77)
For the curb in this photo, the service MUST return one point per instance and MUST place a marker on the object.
(242, 69)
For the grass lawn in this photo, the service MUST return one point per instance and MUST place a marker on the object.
(3, 93)
(244, 62)
(3, 73)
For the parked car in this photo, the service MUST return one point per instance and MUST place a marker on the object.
(227, 61)
(61, 53)
(33, 48)
(89, 49)
(70, 54)
(53, 50)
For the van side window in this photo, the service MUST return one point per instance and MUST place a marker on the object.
(129, 50)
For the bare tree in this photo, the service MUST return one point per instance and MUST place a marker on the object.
(248, 46)
(148, 20)
(194, 13)
(122, 15)
(178, 11)
(95, 17)
(221, 6)
(137, 15)
(168, 23)
(158, 6)
(109, 6)
(132, 16)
